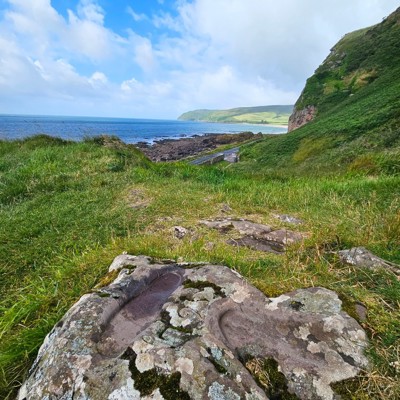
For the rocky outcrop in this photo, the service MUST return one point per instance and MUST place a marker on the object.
(187, 331)
(256, 236)
(301, 117)
(178, 149)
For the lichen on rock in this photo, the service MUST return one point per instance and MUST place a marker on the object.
(170, 332)
(256, 236)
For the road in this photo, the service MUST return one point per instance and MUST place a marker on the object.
(202, 160)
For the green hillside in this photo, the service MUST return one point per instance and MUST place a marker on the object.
(356, 94)
(274, 115)
(360, 58)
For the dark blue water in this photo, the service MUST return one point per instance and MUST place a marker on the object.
(128, 130)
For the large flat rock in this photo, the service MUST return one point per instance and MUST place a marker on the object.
(256, 236)
(183, 331)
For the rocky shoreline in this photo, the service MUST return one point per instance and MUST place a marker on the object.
(177, 149)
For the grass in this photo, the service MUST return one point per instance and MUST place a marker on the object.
(356, 61)
(67, 209)
(263, 118)
(278, 115)
(361, 133)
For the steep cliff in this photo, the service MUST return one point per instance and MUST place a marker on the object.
(348, 115)
(355, 62)
(301, 117)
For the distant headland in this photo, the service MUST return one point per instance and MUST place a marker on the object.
(270, 115)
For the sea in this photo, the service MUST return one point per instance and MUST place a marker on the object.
(128, 130)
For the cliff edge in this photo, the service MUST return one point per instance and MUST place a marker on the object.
(354, 63)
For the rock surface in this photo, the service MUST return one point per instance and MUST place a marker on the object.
(301, 117)
(362, 258)
(289, 219)
(256, 236)
(179, 232)
(183, 331)
(177, 149)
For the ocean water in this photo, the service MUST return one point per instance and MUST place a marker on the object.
(128, 130)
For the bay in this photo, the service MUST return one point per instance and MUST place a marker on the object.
(128, 130)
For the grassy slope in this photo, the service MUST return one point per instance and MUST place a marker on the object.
(278, 115)
(69, 208)
(356, 91)
(354, 63)
(362, 135)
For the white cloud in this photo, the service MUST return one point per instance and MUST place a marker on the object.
(283, 41)
(136, 17)
(91, 11)
(166, 20)
(88, 38)
(143, 53)
(208, 54)
(98, 79)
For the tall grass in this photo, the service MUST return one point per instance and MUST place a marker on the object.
(68, 208)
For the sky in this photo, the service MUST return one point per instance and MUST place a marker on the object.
(160, 58)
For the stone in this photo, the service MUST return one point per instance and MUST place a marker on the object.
(209, 246)
(226, 208)
(362, 258)
(259, 244)
(223, 225)
(256, 236)
(177, 149)
(179, 232)
(187, 331)
(361, 311)
(289, 219)
(127, 261)
(243, 226)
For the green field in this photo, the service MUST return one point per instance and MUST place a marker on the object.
(263, 118)
(274, 115)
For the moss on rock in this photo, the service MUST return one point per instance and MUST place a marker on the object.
(148, 381)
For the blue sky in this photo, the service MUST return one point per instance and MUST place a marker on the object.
(159, 58)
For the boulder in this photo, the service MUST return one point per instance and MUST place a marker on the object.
(289, 219)
(362, 258)
(179, 232)
(256, 236)
(164, 330)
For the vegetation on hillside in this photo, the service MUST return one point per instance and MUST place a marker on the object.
(274, 115)
(69, 208)
(357, 129)
(360, 58)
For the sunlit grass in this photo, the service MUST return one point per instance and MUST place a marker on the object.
(61, 225)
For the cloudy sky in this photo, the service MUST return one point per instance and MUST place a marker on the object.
(159, 58)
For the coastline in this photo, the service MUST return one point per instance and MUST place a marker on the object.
(128, 130)
(178, 149)
(285, 126)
